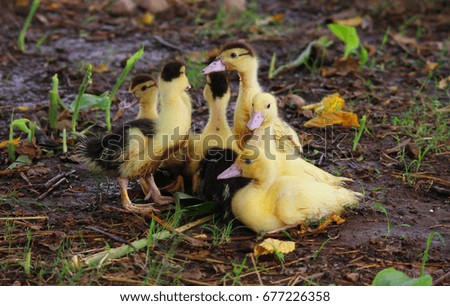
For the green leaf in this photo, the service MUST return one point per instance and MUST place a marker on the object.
(425, 280)
(363, 57)
(199, 209)
(21, 161)
(88, 101)
(348, 35)
(392, 277)
(21, 124)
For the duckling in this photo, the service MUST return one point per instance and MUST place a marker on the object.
(270, 203)
(266, 127)
(216, 133)
(215, 149)
(264, 112)
(145, 89)
(241, 57)
(137, 148)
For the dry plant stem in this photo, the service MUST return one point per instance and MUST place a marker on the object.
(24, 218)
(117, 238)
(98, 259)
(51, 188)
(256, 269)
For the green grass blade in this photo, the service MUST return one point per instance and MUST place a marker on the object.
(131, 62)
(26, 25)
(348, 35)
(358, 135)
(54, 101)
(86, 82)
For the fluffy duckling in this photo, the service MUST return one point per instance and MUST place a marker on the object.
(270, 203)
(264, 112)
(242, 58)
(266, 139)
(137, 148)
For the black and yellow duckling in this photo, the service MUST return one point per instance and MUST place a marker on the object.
(136, 149)
(242, 58)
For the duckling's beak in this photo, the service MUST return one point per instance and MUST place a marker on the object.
(255, 121)
(232, 171)
(215, 66)
(129, 100)
(188, 87)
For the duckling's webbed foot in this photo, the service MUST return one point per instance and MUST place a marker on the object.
(146, 209)
(155, 194)
(176, 185)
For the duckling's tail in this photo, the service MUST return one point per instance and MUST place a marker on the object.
(100, 154)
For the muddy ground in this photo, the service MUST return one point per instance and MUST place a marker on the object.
(400, 90)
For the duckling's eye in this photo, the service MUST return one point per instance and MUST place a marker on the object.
(253, 104)
(268, 105)
(144, 88)
(247, 161)
(233, 55)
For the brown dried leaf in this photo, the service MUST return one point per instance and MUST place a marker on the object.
(40, 169)
(341, 67)
(270, 245)
(26, 148)
(443, 83)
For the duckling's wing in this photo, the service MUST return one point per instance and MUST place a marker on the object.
(299, 201)
(287, 138)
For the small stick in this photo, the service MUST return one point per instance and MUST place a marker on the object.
(117, 238)
(166, 43)
(24, 218)
(256, 269)
(96, 260)
(51, 188)
(442, 278)
(58, 177)
(25, 178)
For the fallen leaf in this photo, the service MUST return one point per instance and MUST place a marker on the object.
(340, 117)
(148, 18)
(100, 68)
(39, 170)
(430, 66)
(26, 148)
(22, 108)
(5, 143)
(329, 112)
(400, 39)
(350, 22)
(270, 245)
(443, 83)
(341, 67)
(52, 240)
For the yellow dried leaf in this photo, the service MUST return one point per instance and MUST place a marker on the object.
(443, 83)
(5, 143)
(329, 112)
(350, 22)
(148, 18)
(100, 68)
(430, 66)
(340, 117)
(270, 245)
(54, 6)
(22, 108)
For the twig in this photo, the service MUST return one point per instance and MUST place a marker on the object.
(167, 44)
(58, 177)
(24, 218)
(441, 279)
(51, 189)
(25, 178)
(98, 259)
(117, 238)
(252, 257)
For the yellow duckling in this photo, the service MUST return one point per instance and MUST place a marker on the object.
(265, 124)
(137, 148)
(242, 58)
(264, 112)
(270, 203)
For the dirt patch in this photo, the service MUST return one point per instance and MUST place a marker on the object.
(395, 90)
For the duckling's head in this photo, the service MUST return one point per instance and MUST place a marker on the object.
(264, 110)
(144, 87)
(217, 87)
(251, 164)
(237, 56)
(173, 74)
